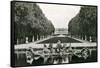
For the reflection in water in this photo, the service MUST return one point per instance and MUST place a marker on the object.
(56, 59)
(58, 55)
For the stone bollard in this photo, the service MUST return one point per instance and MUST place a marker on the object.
(37, 37)
(33, 39)
(17, 41)
(90, 39)
(82, 38)
(26, 39)
(85, 37)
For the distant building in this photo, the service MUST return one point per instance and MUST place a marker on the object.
(61, 31)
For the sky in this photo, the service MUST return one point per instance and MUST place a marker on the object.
(60, 15)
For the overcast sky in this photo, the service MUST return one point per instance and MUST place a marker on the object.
(60, 15)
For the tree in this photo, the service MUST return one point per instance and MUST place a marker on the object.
(85, 22)
(30, 22)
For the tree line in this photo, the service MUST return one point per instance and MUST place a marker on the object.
(30, 22)
(84, 24)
